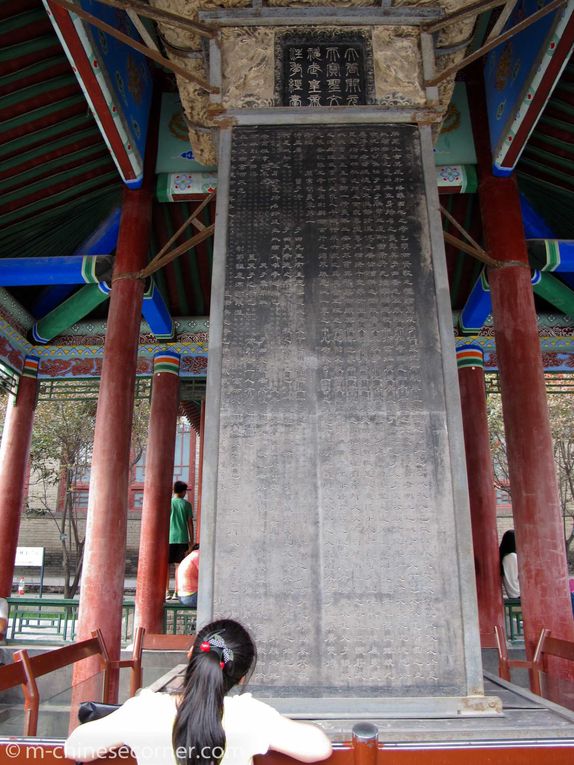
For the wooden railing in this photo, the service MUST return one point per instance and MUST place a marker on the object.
(558, 689)
(25, 751)
(146, 641)
(26, 669)
(54, 619)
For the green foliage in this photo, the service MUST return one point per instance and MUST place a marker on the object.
(497, 442)
(561, 414)
(62, 437)
(61, 456)
(3, 405)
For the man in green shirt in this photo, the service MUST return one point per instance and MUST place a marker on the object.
(180, 528)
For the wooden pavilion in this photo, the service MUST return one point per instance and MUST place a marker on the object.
(111, 112)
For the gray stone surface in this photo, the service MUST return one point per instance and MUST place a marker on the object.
(334, 533)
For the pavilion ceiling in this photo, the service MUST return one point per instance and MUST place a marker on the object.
(58, 180)
(53, 160)
(186, 281)
(463, 270)
(546, 169)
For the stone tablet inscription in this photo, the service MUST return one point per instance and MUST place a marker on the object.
(324, 75)
(335, 535)
(324, 69)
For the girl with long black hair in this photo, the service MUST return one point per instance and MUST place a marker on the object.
(203, 726)
(509, 564)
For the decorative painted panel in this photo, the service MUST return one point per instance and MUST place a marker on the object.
(174, 152)
(116, 81)
(520, 75)
(455, 145)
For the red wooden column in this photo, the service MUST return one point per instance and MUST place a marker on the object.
(200, 471)
(542, 566)
(102, 587)
(160, 451)
(470, 362)
(14, 456)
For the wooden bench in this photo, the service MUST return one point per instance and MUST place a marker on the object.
(513, 619)
(505, 664)
(26, 669)
(150, 641)
(549, 646)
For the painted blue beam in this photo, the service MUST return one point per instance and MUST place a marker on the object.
(535, 227)
(24, 272)
(479, 303)
(551, 254)
(477, 308)
(544, 251)
(102, 241)
(50, 297)
(156, 312)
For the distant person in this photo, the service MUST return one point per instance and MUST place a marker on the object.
(180, 529)
(509, 564)
(187, 577)
(203, 725)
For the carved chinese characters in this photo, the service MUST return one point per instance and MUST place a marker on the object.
(324, 69)
(324, 75)
(335, 529)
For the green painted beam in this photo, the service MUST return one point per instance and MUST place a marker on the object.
(553, 141)
(39, 151)
(480, 32)
(525, 160)
(206, 215)
(191, 257)
(154, 247)
(53, 180)
(477, 268)
(11, 52)
(31, 70)
(44, 135)
(15, 217)
(180, 286)
(80, 304)
(536, 153)
(80, 159)
(462, 258)
(555, 292)
(62, 229)
(562, 106)
(561, 124)
(40, 113)
(22, 20)
(176, 264)
(32, 91)
(161, 285)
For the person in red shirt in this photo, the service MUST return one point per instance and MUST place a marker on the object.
(187, 577)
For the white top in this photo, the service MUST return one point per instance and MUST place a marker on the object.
(145, 724)
(510, 578)
(4, 608)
